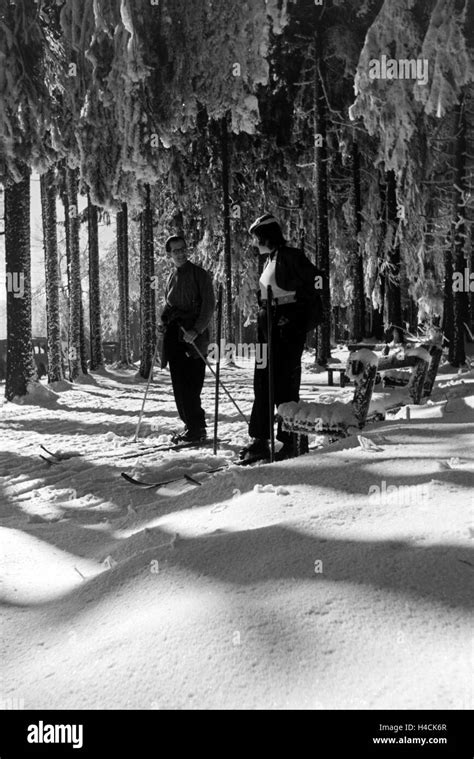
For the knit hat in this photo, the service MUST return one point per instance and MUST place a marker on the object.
(262, 222)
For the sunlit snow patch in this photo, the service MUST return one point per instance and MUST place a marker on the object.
(34, 571)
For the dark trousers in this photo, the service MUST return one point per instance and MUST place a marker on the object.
(187, 377)
(288, 340)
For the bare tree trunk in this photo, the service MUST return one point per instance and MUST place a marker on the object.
(448, 311)
(457, 354)
(63, 195)
(147, 293)
(97, 356)
(20, 363)
(471, 291)
(52, 275)
(378, 315)
(123, 286)
(83, 339)
(357, 311)
(301, 227)
(76, 340)
(323, 331)
(392, 278)
(227, 240)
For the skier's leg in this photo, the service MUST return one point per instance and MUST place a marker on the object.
(289, 344)
(259, 418)
(176, 372)
(177, 366)
(194, 372)
(259, 426)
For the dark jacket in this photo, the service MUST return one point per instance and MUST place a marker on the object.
(294, 271)
(190, 302)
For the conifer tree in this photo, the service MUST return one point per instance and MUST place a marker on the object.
(52, 274)
(20, 365)
(24, 119)
(147, 292)
(123, 286)
(96, 353)
(76, 338)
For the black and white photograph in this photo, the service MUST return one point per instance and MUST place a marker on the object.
(237, 362)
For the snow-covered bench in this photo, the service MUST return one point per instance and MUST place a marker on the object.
(331, 368)
(393, 364)
(335, 418)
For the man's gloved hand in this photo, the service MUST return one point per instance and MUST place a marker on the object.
(189, 335)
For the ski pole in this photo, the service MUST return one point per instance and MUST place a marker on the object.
(218, 367)
(135, 439)
(221, 384)
(270, 373)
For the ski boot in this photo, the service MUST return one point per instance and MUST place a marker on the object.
(258, 450)
(190, 436)
(296, 446)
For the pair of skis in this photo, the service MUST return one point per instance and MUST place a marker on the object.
(56, 458)
(161, 483)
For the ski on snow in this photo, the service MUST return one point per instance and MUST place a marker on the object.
(56, 458)
(144, 451)
(161, 483)
(171, 447)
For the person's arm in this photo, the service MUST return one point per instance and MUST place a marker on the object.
(167, 311)
(306, 271)
(208, 302)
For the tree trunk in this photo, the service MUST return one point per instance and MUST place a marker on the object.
(471, 291)
(83, 340)
(227, 241)
(392, 278)
(76, 340)
(52, 275)
(301, 227)
(323, 332)
(147, 293)
(357, 310)
(123, 287)
(20, 362)
(448, 294)
(62, 181)
(378, 314)
(97, 356)
(457, 355)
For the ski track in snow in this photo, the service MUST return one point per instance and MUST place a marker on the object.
(277, 586)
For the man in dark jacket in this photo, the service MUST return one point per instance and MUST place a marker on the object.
(188, 312)
(296, 309)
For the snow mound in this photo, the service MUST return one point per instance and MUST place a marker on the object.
(85, 379)
(61, 386)
(37, 395)
(34, 571)
(377, 407)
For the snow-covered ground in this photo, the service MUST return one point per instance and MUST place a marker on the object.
(341, 579)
